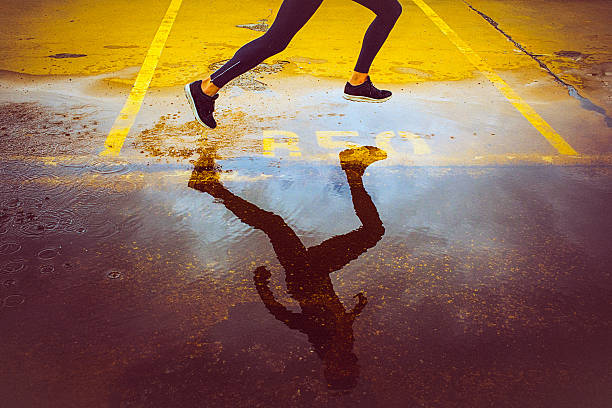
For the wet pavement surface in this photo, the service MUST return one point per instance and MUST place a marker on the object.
(432, 251)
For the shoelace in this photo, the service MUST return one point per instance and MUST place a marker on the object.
(211, 108)
(372, 90)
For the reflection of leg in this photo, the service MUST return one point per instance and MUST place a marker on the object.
(338, 251)
(354, 162)
(291, 17)
(362, 203)
(387, 13)
(288, 247)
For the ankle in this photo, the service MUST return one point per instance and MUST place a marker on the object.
(358, 78)
(208, 87)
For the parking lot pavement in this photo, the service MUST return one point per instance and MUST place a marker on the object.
(447, 248)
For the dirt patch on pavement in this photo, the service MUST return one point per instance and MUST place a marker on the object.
(250, 81)
(171, 139)
(33, 130)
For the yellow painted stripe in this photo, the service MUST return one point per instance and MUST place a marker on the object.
(523, 107)
(127, 116)
(419, 145)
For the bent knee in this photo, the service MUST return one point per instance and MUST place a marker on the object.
(394, 10)
(376, 231)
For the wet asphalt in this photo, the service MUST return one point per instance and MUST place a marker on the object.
(458, 261)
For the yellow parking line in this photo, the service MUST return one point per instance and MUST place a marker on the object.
(523, 107)
(125, 120)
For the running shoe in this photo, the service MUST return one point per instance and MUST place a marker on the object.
(201, 104)
(365, 92)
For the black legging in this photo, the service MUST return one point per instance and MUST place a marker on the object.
(292, 16)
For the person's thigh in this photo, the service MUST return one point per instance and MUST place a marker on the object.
(292, 16)
(377, 6)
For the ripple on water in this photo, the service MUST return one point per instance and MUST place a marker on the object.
(20, 207)
(51, 186)
(109, 166)
(123, 187)
(114, 274)
(8, 183)
(75, 162)
(5, 224)
(11, 204)
(9, 248)
(13, 300)
(89, 202)
(48, 253)
(9, 283)
(71, 222)
(41, 224)
(47, 269)
(26, 215)
(14, 266)
(105, 229)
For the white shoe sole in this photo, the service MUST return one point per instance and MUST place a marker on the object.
(193, 107)
(364, 98)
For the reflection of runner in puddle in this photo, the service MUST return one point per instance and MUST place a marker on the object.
(323, 319)
(291, 17)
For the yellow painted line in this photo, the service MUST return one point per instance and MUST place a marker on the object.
(325, 138)
(419, 145)
(280, 139)
(127, 116)
(523, 107)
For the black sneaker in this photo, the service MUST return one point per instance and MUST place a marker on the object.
(365, 92)
(201, 104)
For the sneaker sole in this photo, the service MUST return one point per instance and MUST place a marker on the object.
(364, 98)
(193, 107)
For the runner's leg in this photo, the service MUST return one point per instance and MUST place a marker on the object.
(387, 12)
(291, 17)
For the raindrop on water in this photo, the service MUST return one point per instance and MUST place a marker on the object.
(9, 248)
(13, 300)
(109, 166)
(39, 225)
(48, 253)
(47, 269)
(14, 266)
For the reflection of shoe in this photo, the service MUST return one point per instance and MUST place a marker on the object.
(205, 174)
(365, 92)
(201, 104)
(361, 157)
(261, 275)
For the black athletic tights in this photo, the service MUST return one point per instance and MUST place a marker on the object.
(292, 16)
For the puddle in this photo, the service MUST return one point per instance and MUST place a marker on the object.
(261, 281)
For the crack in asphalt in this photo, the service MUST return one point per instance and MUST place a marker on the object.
(585, 102)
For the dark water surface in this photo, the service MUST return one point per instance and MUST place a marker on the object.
(254, 282)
